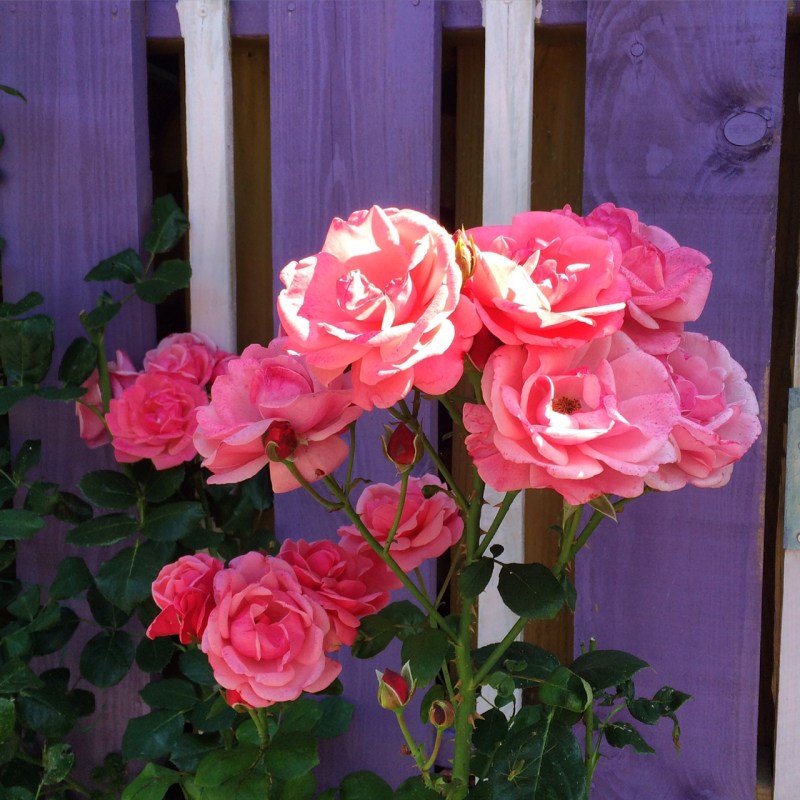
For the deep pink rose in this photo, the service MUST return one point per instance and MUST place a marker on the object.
(268, 396)
(547, 280)
(584, 423)
(89, 408)
(669, 283)
(719, 416)
(192, 356)
(379, 298)
(428, 526)
(155, 418)
(339, 581)
(265, 637)
(183, 591)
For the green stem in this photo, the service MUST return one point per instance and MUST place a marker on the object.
(102, 371)
(399, 513)
(416, 750)
(437, 743)
(351, 458)
(325, 503)
(506, 642)
(591, 525)
(502, 510)
(261, 725)
(465, 709)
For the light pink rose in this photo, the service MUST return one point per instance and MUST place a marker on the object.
(266, 396)
(192, 356)
(669, 283)
(265, 637)
(339, 581)
(428, 526)
(719, 416)
(155, 418)
(183, 591)
(89, 408)
(585, 423)
(547, 280)
(378, 298)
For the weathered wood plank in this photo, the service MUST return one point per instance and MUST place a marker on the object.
(76, 189)
(679, 583)
(355, 109)
(248, 18)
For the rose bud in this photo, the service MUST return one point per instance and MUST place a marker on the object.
(402, 447)
(395, 691)
(442, 714)
(466, 253)
(280, 440)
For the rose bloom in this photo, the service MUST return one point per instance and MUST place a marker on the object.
(428, 526)
(547, 280)
(89, 408)
(265, 637)
(192, 356)
(267, 396)
(183, 591)
(155, 418)
(719, 416)
(591, 422)
(339, 581)
(379, 298)
(669, 283)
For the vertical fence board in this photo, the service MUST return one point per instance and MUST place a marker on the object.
(354, 93)
(679, 582)
(76, 189)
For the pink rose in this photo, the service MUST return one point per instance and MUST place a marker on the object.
(268, 396)
(669, 283)
(378, 298)
(719, 416)
(584, 423)
(89, 409)
(191, 356)
(155, 418)
(547, 280)
(428, 526)
(265, 637)
(183, 591)
(339, 581)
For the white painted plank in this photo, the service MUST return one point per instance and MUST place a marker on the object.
(507, 136)
(205, 27)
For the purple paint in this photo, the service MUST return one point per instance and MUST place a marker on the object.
(462, 14)
(76, 189)
(679, 582)
(248, 18)
(355, 110)
(563, 12)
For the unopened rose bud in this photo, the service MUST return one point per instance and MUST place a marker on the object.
(395, 690)
(280, 440)
(466, 253)
(442, 714)
(402, 447)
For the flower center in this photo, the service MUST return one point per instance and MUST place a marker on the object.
(566, 405)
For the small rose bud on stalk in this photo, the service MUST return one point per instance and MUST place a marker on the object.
(395, 691)
(280, 440)
(442, 715)
(466, 253)
(402, 447)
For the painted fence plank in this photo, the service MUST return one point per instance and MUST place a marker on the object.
(679, 582)
(355, 109)
(76, 189)
(248, 18)
(209, 166)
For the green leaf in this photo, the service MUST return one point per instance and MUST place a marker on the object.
(153, 735)
(415, 789)
(301, 715)
(565, 689)
(55, 637)
(168, 225)
(604, 506)
(621, 734)
(107, 657)
(152, 655)
(604, 668)
(300, 788)
(162, 484)
(57, 761)
(107, 488)
(51, 710)
(11, 395)
(173, 521)
(528, 664)
(98, 318)
(364, 785)
(13, 92)
(220, 767)
(42, 497)
(125, 266)
(212, 714)
(374, 635)
(151, 783)
(17, 676)
(191, 748)
(61, 394)
(194, 665)
(291, 754)
(72, 509)
(26, 605)
(171, 693)
(26, 348)
(17, 524)
(31, 300)
(258, 490)
(490, 731)
(8, 718)
(72, 578)
(644, 710)
(426, 652)
(570, 594)
(475, 578)
(106, 613)
(109, 529)
(78, 362)
(530, 590)
(28, 457)
(335, 719)
(126, 578)
(670, 699)
(171, 276)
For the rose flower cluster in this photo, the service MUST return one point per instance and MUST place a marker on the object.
(589, 385)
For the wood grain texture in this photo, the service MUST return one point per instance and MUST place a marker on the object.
(354, 106)
(563, 12)
(248, 18)
(76, 189)
(679, 582)
(462, 14)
